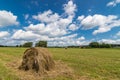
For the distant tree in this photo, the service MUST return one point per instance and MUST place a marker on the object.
(108, 46)
(41, 44)
(17, 45)
(20, 45)
(103, 45)
(27, 44)
(1, 45)
(94, 45)
(99, 45)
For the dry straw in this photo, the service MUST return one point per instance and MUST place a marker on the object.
(38, 60)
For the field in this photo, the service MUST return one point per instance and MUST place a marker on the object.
(88, 64)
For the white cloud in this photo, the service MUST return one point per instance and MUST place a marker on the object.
(35, 28)
(4, 34)
(26, 16)
(7, 19)
(113, 3)
(24, 35)
(68, 41)
(73, 27)
(110, 41)
(118, 34)
(81, 38)
(101, 30)
(47, 17)
(70, 8)
(53, 27)
(54, 24)
(104, 23)
(80, 17)
(52, 30)
(21, 36)
(58, 29)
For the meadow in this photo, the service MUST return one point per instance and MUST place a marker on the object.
(89, 64)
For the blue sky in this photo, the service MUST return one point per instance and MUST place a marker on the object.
(60, 22)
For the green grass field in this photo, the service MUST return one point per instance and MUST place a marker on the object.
(91, 64)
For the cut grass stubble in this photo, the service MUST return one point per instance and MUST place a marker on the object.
(97, 64)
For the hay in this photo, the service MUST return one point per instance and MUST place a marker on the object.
(38, 60)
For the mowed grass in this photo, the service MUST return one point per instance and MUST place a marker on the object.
(91, 64)
(98, 64)
(7, 55)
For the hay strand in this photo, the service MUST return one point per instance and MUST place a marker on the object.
(38, 60)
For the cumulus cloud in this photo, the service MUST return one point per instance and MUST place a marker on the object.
(58, 29)
(104, 23)
(113, 3)
(54, 24)
(21, 36)
(24, 35)
(53, 27)
(50, 30)
(68, 40)
(35, 28)
(70, 8)
(110, 41)
(80, 17)
(7, 19)
(47, 16)
(4, 34)
(118, 34)
(73, 27)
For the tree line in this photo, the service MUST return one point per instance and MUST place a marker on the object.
(99, 45)
(44, 44)
(30, 44)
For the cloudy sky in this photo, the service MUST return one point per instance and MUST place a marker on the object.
(60, 22)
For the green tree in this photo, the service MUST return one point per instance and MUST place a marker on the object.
(103, 45)
(28, 44)
(41, 44)
(94, 45)
(108, 46)
(17, 45)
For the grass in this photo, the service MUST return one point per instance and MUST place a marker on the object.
(93, 64)
(7, 55)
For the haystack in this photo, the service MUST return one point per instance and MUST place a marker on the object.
(38, 60)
